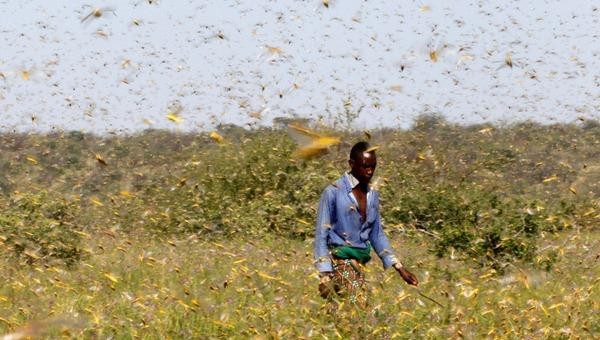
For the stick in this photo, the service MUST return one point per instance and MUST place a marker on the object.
(428, 298)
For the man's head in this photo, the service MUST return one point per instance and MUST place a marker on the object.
(363, 162)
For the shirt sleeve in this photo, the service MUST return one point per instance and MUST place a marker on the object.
(380, 242)
(324, 218)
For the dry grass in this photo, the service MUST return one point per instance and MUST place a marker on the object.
(133, 286)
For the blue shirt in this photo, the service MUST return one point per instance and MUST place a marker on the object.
(339, 224)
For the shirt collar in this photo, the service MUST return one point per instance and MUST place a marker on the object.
(352, 180)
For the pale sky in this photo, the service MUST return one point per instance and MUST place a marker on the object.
(246, 62)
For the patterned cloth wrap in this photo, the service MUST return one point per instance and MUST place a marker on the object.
(348, 279)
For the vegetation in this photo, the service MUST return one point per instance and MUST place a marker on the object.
(165, 234)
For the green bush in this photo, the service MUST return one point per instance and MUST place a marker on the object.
(480, 224)
(248, 188)
(38, 227)
(484, 192)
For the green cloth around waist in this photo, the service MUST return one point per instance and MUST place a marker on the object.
(359, 254)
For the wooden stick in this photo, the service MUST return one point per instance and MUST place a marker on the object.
(428, 298)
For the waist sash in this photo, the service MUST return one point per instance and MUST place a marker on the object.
(362, 255)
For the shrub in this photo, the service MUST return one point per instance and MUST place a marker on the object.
(484, 191)
(490, 229)
(37, 227)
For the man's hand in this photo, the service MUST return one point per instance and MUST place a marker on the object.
(326, 285)
(409, 277)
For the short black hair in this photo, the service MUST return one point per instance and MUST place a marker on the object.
(358, 149)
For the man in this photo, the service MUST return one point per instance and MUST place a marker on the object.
(348, 226)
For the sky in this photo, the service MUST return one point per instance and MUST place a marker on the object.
(358, 64)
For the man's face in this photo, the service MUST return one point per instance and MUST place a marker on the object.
(364, 166)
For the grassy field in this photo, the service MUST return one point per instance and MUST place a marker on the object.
(135, 287)
(169, 235)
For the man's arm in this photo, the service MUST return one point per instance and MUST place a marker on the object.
(324, 219)
(381, 244)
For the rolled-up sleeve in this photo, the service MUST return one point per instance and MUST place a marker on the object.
(324, 220)
(381, 244)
